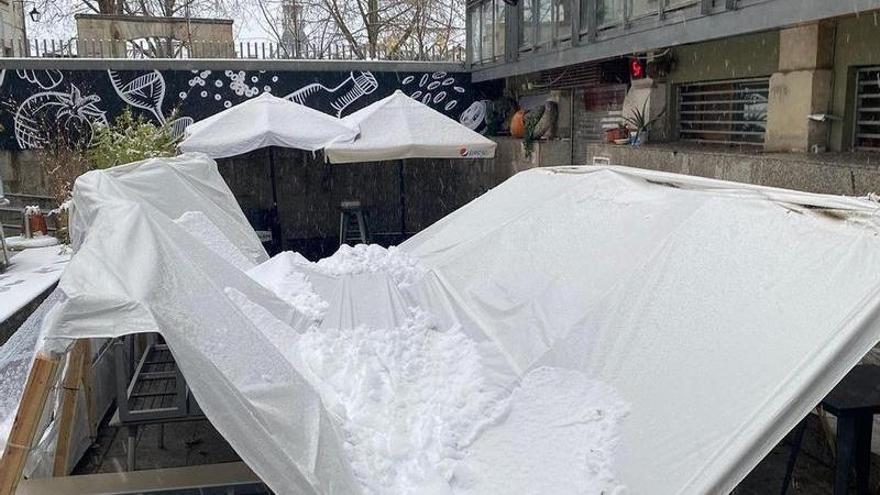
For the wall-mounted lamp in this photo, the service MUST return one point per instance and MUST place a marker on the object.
(35, 14)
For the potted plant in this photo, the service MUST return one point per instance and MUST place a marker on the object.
(641, 124)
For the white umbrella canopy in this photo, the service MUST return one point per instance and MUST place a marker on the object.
(265, 121)
(399, 127)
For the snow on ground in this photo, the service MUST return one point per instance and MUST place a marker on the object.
(282, 276)
(31, 272)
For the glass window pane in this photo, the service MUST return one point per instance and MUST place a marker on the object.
(488, 31)
(526, 24)
(585, 18)
(474, 34)
(644, 7)
(500, 23)
(609, 11)
(563, 18)
(545, 21)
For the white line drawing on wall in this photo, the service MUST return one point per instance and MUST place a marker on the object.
(474, 116)
(42, 113)
(357, 85)
(147, 92)
(44, 78)
(433, 89)
(2, 76)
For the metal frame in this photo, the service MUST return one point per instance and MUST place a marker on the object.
(857, 108)
(700, 21)
(718, 98)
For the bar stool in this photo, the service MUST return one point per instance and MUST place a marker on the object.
(352, 224)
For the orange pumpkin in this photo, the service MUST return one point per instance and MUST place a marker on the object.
(518, 124)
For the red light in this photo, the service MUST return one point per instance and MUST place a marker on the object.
(636, 69)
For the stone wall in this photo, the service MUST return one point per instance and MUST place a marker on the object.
(829, 173)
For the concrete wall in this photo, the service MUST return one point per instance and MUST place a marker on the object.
(751, 55)
(856, 43)
(828, 173)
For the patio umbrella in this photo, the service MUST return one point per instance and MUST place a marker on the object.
(399, 127)
(266, 121)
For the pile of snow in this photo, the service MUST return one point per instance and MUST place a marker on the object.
(416, 406)
(371, 258)
(281, 275)
(202, 228)
(559, 438)
(410, 400)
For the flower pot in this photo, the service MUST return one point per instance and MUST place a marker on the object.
(641, 137)
(518, 124)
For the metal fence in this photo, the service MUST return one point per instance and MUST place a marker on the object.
(867, 135)
(166, 48)
(724, 112)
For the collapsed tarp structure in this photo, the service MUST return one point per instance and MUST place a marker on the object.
(677, 326)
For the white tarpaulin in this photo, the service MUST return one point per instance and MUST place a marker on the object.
(575, 330)
(265, 121)
(400, 127)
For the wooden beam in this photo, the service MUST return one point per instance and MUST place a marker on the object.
(87, 379)
(27, 420)
(70, 387)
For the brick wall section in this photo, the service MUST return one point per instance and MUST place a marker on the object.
(591, 106)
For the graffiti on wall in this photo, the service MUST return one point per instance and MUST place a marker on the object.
(81, 100)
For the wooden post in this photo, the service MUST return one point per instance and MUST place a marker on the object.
(70, 387)
(27, 419)
(91, 409)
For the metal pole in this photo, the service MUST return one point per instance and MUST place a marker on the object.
(276, 220)
(402, 194)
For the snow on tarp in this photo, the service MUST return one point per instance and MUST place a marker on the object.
(265, 121)
(575, 330)
(721, 313)
(137, 270)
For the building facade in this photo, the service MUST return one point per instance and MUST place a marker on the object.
(786, 93)
(12, 26)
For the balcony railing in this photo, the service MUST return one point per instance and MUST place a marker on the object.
(166, 48)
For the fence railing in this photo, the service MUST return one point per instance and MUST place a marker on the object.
(168, 48)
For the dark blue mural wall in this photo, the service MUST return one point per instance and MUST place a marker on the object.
(84, 99)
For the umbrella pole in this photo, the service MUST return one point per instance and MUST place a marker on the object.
(276, 220)
(402, 195)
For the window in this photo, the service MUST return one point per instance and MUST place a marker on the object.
(867, 129)
(526, 24)
(545, 21)
(609, 12)
(488, 31)
(474, 33)
(500, 32)
(562, 16)
(724, 112)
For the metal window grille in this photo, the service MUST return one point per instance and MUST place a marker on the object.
(867, 135)
(732, 112)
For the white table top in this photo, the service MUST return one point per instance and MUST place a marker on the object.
(31, 272)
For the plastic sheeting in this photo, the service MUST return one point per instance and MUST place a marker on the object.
(720, 313)
(399, 127)
(138, 270)
(265, 121)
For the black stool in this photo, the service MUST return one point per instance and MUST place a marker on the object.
(854, 401)
(352, 224)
